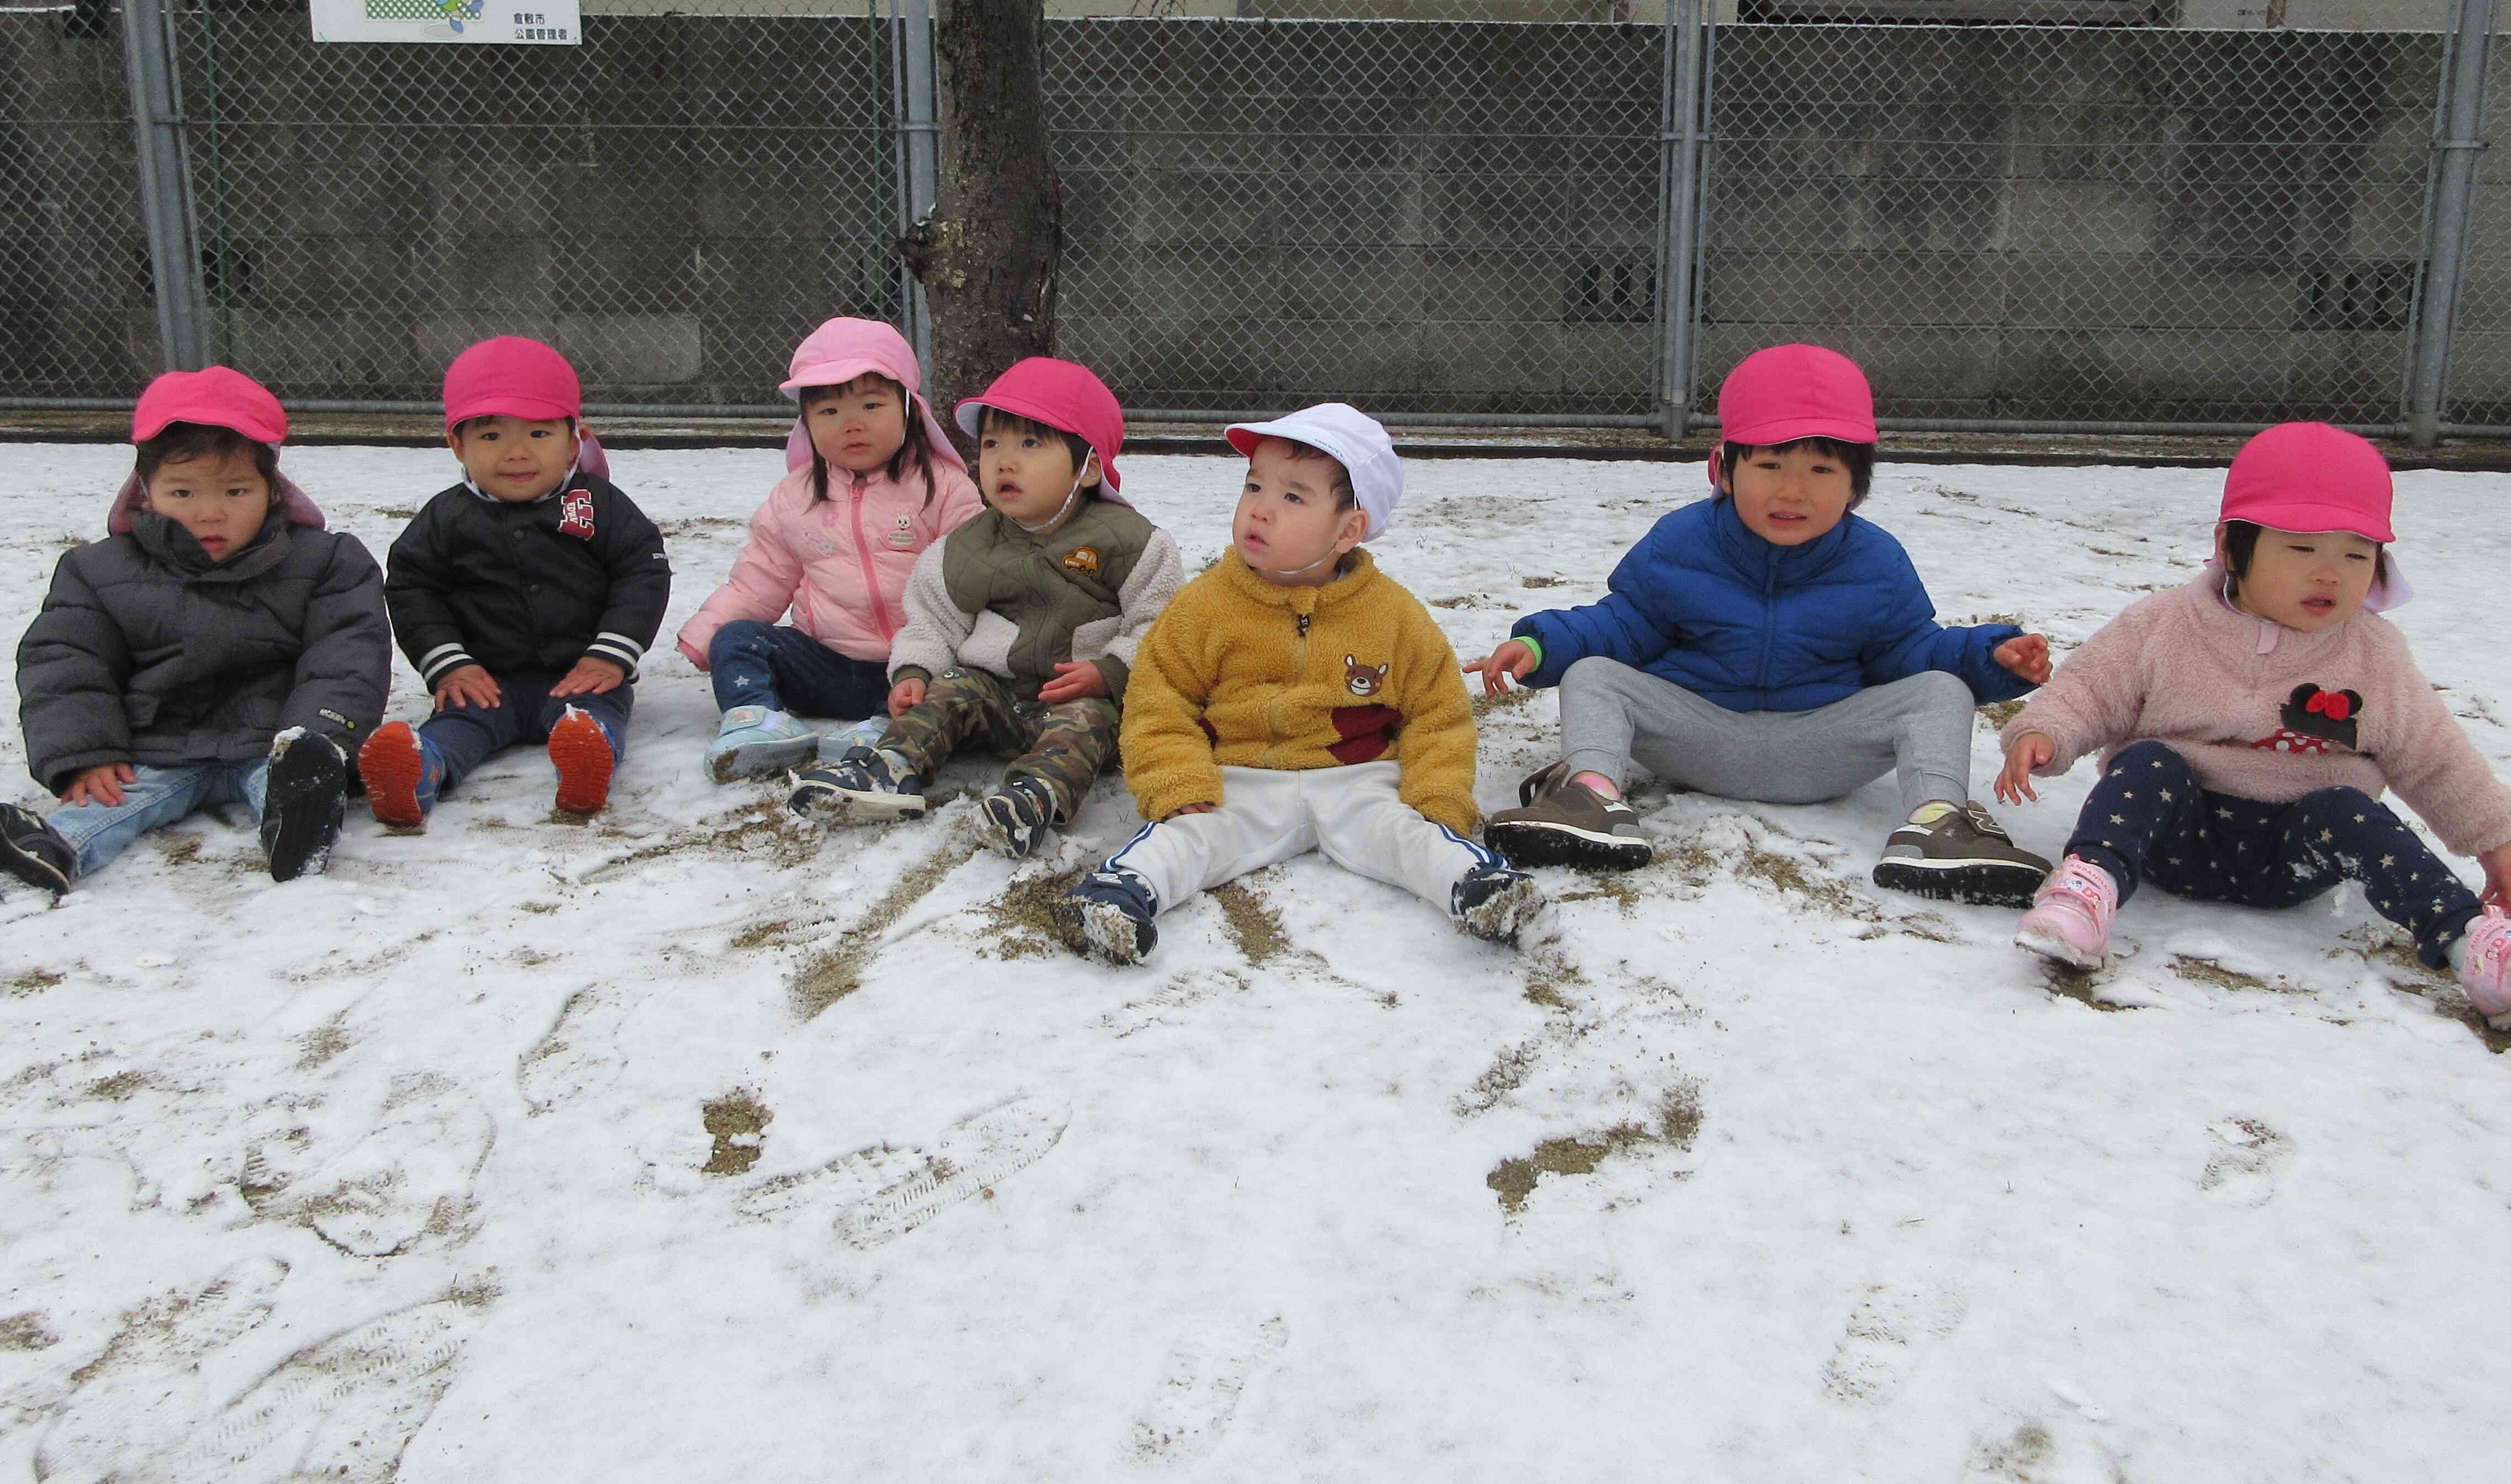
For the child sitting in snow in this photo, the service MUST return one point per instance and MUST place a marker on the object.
(1021, 624)
(1293, 698)
(1769, 643)
(872, 482)
(525, 596)
(2253, 716)
(218, 646)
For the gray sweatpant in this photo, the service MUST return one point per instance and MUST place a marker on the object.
(1612, 716)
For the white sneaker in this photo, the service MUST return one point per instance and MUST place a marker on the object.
(752, 742)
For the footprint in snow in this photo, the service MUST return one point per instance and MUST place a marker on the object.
(1888, 1334)
(407, 1179)
(1201, 1385)
(1188, 987)
(2035, 1454)
(580, 1052)
(167, 1402)
(876, 1196)
(2247, 1160)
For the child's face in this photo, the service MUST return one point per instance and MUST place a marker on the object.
(222, 501)
(1290, 526)
(1789, 496)
(1026, 472)
(860, 427)
(2306, 580)
(515, 460)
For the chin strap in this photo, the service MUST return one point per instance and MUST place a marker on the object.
(1330, 555)
(1060, 511)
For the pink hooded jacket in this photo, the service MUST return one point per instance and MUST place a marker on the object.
(840, 565)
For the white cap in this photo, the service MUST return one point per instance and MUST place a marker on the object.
(1350, 437)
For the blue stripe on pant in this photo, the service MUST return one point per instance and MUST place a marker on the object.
(2147, 821)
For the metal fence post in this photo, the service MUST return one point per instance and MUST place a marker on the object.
(2458, 139)
(1681, 110)
(165, 182)
(919, 149)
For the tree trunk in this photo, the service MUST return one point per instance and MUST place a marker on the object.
(986, 255)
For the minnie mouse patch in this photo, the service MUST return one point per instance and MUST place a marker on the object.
(2314, 721)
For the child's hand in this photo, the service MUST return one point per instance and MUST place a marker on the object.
(100, 785)
(905, 697)
(2497, 875)
(1191, 809)
(2025, 656)
(1510, 661)
(1073, 681)
(468, 685)
(2026, 752)
(591, 677)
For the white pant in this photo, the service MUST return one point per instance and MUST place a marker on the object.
(1354, 814)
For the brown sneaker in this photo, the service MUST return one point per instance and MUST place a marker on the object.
(1567, 823)
(1962, 855)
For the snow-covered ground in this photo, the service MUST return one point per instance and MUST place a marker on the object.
(684, 1147)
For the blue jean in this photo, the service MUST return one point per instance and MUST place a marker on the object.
(786, 669)
(466, 736)
(99, 832)
(2148, 821)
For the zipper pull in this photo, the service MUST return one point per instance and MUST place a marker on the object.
(1304, 624)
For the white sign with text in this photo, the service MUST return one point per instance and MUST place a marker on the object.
(496, 23)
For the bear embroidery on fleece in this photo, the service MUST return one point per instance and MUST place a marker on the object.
(902, 534)
(1364, 680)
(2314, 720)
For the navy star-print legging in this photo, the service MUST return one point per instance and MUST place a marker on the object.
(2147, 821)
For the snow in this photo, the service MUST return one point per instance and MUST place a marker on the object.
(1752, 1172)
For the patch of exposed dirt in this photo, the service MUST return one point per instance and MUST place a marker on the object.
(1543, 582)
(322, 1042)
(761, 829)
(27, 1332)
(1547, 975)
(1252, 924)
(179, 850)
(116, 1088)
(1461, 601)
(29, 981)
(690, 526)
(2068, 982)
(2207, 971)
(1026, 916)
(1509, 699)
(1997, 714)
(739, 1122)
(830, 977)
(1678, 1123)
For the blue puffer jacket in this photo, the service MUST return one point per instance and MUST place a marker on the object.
(1703, 602)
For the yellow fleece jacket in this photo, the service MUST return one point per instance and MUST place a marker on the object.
(1241, 672)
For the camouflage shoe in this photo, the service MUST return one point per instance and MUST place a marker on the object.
(1567, 823)
(1959, 854)
(1015, 818)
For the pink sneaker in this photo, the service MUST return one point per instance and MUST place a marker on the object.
(2070, 917)
(2484, 967)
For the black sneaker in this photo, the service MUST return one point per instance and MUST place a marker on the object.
(1494, 903)
(308, 790)
(866, 786)
(1015, 818)
(1963, 855)
(1567, 823)
(34, 852)
(1108, 915)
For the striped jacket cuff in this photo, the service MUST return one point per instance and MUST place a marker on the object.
(443, 660)
(617, 648)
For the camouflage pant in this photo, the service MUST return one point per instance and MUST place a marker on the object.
(1062, 746)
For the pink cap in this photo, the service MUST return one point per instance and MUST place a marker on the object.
(843, 349)
(2310, 477)
(1790, 392)
(515, 377)
(215, 397)
(1060, 394)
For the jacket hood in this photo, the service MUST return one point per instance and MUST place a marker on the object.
(843, 349)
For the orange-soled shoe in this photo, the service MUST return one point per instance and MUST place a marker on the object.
(582, 753)
(401, 774)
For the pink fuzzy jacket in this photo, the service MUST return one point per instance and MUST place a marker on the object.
(841, 564)
(2262, 711)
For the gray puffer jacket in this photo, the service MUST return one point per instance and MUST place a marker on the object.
(148, 652)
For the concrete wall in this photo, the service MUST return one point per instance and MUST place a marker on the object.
(2064, 225)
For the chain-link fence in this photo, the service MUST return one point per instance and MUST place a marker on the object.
(2016, 214)
(673, 202)
(1429, 217)
(75, 318)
